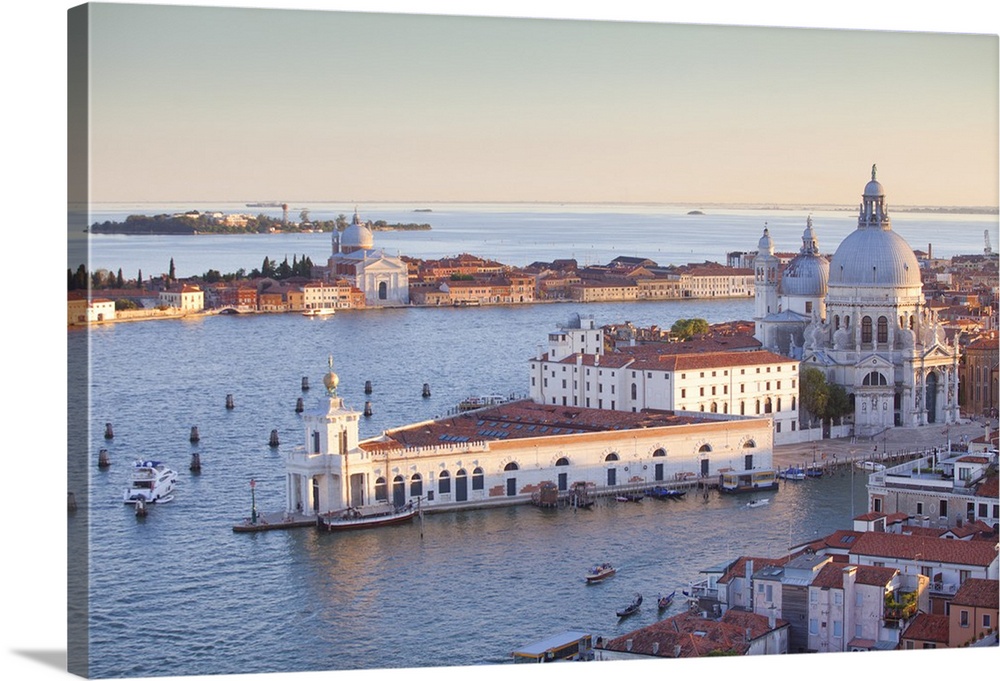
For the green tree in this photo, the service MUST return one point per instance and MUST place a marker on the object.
(172, 272)
(120, 280)
(138, 279)
(125, 304)
(304, 215)
(686, 329)
(341, 222)
(814, 393)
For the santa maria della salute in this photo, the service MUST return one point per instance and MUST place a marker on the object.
(861, 318)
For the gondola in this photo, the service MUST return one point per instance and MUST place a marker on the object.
(632, 607)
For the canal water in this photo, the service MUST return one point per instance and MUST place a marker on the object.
(462, 588)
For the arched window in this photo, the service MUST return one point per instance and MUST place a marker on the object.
(866, 329)
(847, 321)
(611, 457)
(874, 378)
(660, 452)
(705, 449)
(416, 486)
(779, 404)
(634, 392)
(793, 403)
(444, 482)
(749, 444)
(836, 322)
(758, 407)
(383, 290)
(477, 478)
(725, 407)
(510, 467)
(883, 330)
(563, 461)
(381, 492)
(715, 407)
(767, 405)
(743, 408)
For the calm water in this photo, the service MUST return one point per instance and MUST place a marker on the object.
(519, 235)
(212, 601)
(477, 584)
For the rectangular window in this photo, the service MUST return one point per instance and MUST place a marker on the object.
(769, 591)
(987, 621)
(963, 618)
(838, 629)
(858, 599)
(684, 392)
(838, 597)
(814, 595)
(814, 627)
(920, 508)
(858, 631)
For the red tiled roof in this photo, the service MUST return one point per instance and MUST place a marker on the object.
(906, 547)
(927, 627)
(989, 487)
(522, 420)
(978, 593)
(739, 569)
(874, 576)
(690, 635)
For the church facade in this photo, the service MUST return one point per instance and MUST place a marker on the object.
(382, 278)
(861, 319)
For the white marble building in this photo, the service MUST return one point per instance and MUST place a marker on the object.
(384, 279)
(871, 331)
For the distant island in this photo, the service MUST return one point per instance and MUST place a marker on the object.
(695, 212)
(195, 222)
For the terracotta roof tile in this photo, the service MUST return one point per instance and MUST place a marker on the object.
(690, 635)
(979, 593)
(906, 547)
(927, 627)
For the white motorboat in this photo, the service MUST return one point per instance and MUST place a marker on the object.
(152, 482)
(319, 312)
(758, 502)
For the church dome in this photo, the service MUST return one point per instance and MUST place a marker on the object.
(874, 255)
(357, 236)
(765, 245)
(805, 275)
(808, 272)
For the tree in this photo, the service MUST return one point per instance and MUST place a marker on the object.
(138, 279)
(686, 329)
(814, 393)
(341, 222)
(171, 273)
(120, 280)
(304, 215)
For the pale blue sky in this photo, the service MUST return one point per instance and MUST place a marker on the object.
(196, 103)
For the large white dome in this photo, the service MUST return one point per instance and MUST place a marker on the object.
(874, 257)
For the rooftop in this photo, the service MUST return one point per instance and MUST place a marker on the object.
(523, 420)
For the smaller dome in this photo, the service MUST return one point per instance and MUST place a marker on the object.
(874, 187)
(806, 275)
(765, 245)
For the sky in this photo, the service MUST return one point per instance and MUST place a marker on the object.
(247, 104)
(866, 105)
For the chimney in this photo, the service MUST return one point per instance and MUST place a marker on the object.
(628, 644)
(677, 650)
(656, 647)
(928, 251)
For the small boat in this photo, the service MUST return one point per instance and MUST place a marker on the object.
(599, 572)
(792, 473)
(152, 482)
(472, 403)
(319, 312)
(631, 608)
(665, 493)
(663, 602)
(364, 517)
(629, 497)
(869, 465)
(758, 502)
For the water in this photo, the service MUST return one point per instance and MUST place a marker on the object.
(519, 235)
(478, 584)
(298, 600)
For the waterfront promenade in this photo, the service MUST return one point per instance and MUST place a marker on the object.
(889, 444)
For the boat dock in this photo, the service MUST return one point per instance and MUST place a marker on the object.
(275, 521)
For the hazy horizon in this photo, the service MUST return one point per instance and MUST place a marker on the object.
(248, 104)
